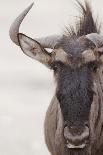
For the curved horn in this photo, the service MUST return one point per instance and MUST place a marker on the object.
(14, 29)
(96, 38)
(49, 41)
(46, 42)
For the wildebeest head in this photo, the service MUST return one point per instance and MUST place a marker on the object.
(75, 59)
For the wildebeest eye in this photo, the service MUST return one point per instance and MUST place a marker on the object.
(56, 65)
(93, 66)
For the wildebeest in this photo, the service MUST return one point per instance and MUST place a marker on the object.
(74, 120)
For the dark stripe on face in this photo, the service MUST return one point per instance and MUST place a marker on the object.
(75, 94)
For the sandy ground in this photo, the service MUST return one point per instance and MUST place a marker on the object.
(26, 87)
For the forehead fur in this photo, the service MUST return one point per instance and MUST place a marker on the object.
(76, 50)
(75, 45)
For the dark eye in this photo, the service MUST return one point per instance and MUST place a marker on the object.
(56, 65)
(93, 66)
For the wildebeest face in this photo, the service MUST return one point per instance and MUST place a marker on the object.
(74, 75)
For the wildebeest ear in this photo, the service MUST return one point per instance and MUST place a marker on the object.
(33, 49)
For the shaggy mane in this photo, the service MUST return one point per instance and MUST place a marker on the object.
(86, 23)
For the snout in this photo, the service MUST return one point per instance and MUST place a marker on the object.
(76, 137)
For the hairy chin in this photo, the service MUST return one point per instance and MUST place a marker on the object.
(79, 152)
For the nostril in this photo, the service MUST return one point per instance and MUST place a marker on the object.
(86, 124)
(86, 132)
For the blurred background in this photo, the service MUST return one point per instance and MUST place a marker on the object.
(26, 86)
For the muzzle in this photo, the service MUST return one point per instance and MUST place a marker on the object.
(76, 137)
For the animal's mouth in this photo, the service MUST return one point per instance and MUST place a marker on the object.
(73, 146)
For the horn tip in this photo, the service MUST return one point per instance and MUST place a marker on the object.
(31, 4)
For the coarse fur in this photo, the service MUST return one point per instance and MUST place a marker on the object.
(85, 24)
(75, 95)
